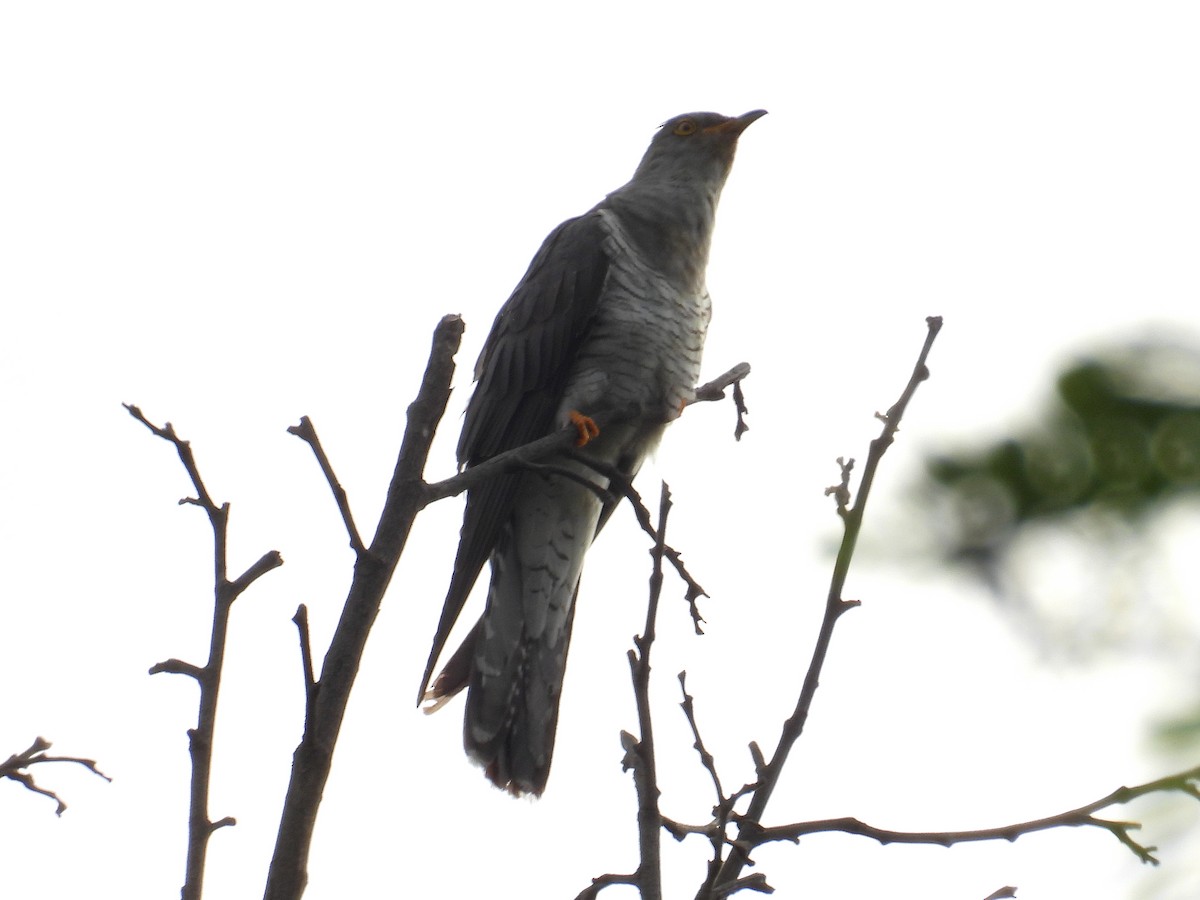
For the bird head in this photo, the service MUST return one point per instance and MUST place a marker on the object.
(695, 147)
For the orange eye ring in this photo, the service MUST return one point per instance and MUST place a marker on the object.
(684, 128)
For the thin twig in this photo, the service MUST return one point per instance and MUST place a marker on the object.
(753, 882)
(208, 676)
(306, 659)
(715, 831)
(600, 882)
(715, 389)
(620, 483)
(517, 458)
(14, 768)
(640, 751)
(706, 759)
(1187, 782)
(562, 440)
(748, 824)
(739, 403)
(307, 433)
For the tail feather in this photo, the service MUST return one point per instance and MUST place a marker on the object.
(515, 742)
(521, 647)
(514, 659)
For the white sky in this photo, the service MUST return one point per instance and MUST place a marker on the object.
(235, 214)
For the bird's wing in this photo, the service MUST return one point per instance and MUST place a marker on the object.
(520, 377)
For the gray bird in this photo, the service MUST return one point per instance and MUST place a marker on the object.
(605, 331)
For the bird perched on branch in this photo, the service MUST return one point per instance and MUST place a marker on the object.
(605, 332)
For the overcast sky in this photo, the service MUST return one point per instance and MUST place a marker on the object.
(236, 214)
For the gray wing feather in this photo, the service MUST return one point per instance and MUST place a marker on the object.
(520, 378)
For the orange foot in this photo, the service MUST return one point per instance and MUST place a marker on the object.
(587, 428)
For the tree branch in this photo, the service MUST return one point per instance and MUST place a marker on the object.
(208, 676)
(14, 768)
(307, 433)
(639, 751)
(620, 483)
(748, 824)
(715, 389)
(1186, 782)
(562, 440)
(407, 496)
(306, 659)
(600, 882)
(715, 831)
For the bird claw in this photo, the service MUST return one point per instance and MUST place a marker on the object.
(585, 425)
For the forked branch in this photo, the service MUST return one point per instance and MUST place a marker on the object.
(207, 676)
(16, 768)
(835, 605)
(1187, 782)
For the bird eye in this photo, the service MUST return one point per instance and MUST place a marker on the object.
(686, 127)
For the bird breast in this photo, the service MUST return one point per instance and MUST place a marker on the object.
(642, 354)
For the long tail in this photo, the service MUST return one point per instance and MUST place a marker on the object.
(520, 646)
(511, 716)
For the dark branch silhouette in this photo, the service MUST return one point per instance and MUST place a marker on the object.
(15, 768)
(207, 676)
(374, 565)
(307, 433)
(835, 606)
(639, 751)
(562, 440)
(1084, 816)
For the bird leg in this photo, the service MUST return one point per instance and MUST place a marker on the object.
(585, 425)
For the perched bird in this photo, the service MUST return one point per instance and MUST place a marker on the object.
(605, 331)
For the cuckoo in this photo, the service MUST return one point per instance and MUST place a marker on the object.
(605, 332)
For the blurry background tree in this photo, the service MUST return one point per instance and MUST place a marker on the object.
(1084, 521)
(1084, 499)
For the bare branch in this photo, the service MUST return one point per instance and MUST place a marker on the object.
(407, 496)
(640, 752)
(841, 491)
(265, 563)
(739, 403)
(755, 882)
(715, 389)
(208, 676)
(14, 768)
(706, 759)
(507, 461)
(562, 440)
(619, 482)
(834, 607)
(601, 882)
(307, 433)
(1084, 816)
(178, 667)
(306, 659)
(183, 448)
(722, 809)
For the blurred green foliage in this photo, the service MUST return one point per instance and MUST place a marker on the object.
(1121, 435)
